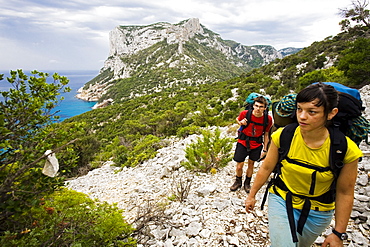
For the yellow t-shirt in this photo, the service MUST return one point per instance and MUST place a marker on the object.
(298, 180)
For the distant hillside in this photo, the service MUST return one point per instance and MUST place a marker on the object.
(341, 58)
(131, 130)
(289, 51)
(162, 56)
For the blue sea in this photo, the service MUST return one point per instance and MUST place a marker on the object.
(70, 106)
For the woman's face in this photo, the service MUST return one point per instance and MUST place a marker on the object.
(309, 116)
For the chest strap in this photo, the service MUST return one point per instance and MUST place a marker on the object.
(327, 197)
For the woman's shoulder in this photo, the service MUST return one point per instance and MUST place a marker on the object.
(275, 136)
(353, 150)
(277, 131)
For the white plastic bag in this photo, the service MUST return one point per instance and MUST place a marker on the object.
(51, 166)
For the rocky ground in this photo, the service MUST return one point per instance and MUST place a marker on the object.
(208, 214)
(171, 206)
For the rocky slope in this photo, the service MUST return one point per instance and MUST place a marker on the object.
(209, 215)
(181, 54)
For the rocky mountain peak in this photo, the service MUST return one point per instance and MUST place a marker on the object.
(163, 55)
(128, 40)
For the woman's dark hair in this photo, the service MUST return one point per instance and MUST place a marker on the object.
(326, 95)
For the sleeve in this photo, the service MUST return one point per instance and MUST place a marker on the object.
(276, 137)
(242, 115)
(353, 152)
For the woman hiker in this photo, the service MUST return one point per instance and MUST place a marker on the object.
(288, 203)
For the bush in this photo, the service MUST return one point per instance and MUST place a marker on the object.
(209, 152)
(188, 130)
(28, 128)
(70, 218)
(143, 149)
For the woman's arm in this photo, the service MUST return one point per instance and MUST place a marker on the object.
(343, 202)
(262, 175)
(266, 140)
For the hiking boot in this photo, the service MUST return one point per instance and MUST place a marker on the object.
(247, 184)
(237, 184)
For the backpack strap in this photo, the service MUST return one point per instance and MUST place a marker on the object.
(338, 149)
(286, 137)
(265, 119)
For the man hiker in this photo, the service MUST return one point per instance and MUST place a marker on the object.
(253, 138)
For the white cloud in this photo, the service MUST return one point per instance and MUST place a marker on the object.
(75, 32)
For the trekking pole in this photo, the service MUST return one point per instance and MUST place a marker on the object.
(262, 158)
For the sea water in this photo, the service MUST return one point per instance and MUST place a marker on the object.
(70, 106)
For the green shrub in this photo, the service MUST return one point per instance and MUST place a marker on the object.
(188, 130)
(210, 151)
(70, 218)
(143, 149)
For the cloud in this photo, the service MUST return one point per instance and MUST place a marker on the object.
(75, 33)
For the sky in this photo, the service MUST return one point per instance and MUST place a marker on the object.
(74, 34)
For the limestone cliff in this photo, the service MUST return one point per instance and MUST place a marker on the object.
(164, 55)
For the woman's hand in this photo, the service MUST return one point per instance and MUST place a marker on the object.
(249, 203)
(333, 241)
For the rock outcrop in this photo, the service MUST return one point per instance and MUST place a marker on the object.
(131, 39)
(128, 40)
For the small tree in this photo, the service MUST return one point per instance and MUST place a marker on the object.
(358, 13)
(27, 129)
(355, 62)
(210, 151)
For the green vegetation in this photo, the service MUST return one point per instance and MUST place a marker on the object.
(209, 152)
(103, 77)
(34, 211)
(132, 131)
(28, 128)
(355, 62)
(69, 218)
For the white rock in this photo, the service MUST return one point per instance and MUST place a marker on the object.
(206, 189)
(233, 240)
(205, 233)
(193, 229)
